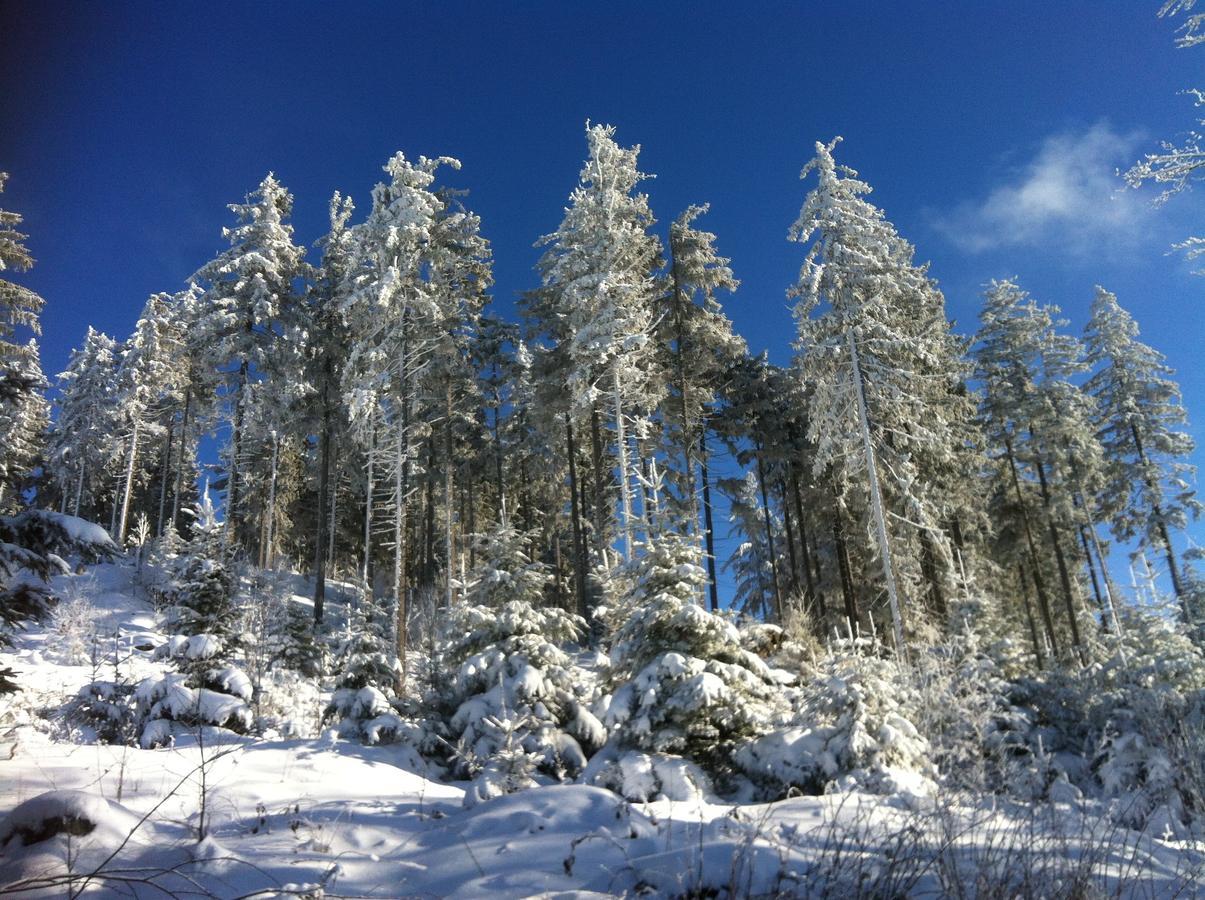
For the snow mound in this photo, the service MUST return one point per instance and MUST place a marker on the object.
(74, 813)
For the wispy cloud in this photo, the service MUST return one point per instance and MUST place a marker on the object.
(1067, 196)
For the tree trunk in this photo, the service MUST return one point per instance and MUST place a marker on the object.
(600, 491)
(621, 442)
(765, 506)
(1156, 507)
(813, 595)
(1033, 626)
(579, 543)
(125, 499)
(786, 518)
(876, 499)
(1039, 585)
(708, 530)
(448, 462)
(843, 566)
(1061, 560)
(180, 465)
(164, 470)
(320, 545)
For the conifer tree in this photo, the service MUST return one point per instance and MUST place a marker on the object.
(597, 301)
(1140, 419)
(23, 410)
(884, 375)
(248, 322)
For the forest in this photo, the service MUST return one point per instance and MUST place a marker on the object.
(326, 493)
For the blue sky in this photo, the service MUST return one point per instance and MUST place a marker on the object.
(991, 132)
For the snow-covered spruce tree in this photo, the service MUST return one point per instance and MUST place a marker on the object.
(392, 314)
(367, 671)
(147, 383)
(23, 410)
(207, 687)
(886, 407)
(597, 301)
(1140, 419)
(1040, 424)
(698, 344)
(682, 683)
(851, 725)
(81, 451)
(248, 324)
(515, 700)
(325, 358)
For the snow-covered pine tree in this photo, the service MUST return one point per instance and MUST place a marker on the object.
(698, 341)
(23, 411)
(393, 319)
(207, 688)
(1140, 419)
(326, 354)
(885, 378)
(148, 383)
(248, 325)
(682, 682)
(511, 684)
(597, 304)
(1049, 457)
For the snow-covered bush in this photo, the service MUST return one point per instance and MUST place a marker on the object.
(36, 544)
(682, 682)
(512, 689)
(851, 725)
(1128, 725)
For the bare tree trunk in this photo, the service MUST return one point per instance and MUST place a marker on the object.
(180, 465)
(448, 496)
(1043, 598)
(164, 470)
(625, 496)
(708, 530)
(1061, 560)
(876, 500)
(1156, 506)
(1033, 627)
(320, 550)
(765, 507)
(120, 537)
(579, 543)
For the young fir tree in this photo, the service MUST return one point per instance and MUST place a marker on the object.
(23, 410)
(248, 324)
(1140, 420)
(511, 681)
(207, 688)
(885, 409)
(597, 305)
(682, 681)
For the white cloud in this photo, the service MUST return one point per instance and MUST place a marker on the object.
(1067, 196)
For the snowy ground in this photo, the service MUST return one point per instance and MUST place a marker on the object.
(307, 817)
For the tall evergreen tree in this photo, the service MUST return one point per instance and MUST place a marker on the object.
(23, 410)
(599, 288)
(1140, 420)
(248, 324)
(885, 410)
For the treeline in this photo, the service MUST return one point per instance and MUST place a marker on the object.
(374, 416)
